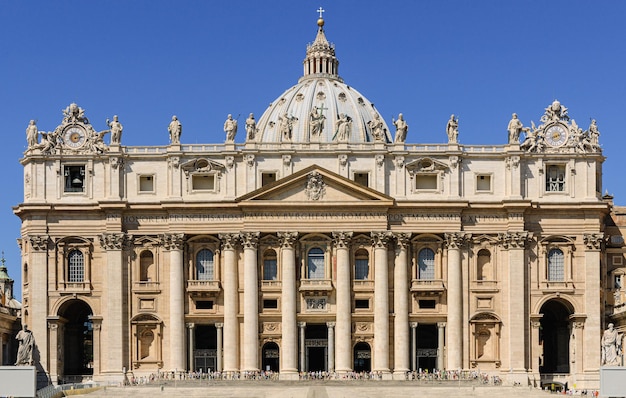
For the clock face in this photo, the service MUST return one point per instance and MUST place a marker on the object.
(74, 137)
(556, 135)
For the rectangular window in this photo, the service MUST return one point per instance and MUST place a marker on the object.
(427, 304)
(483, 183)
(203, 182)
(362, 304)
(270, 304)
(74, 178)
(267, 178)
(204, 305)
(426, 182)
(270, 270)
(146, 183)
(362, 178)
(555, 178)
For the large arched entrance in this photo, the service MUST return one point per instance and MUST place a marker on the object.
(362, 357)
(77, 338)
(554, 336)
(271, 357)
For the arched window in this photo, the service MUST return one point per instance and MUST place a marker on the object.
(204, 265)
(270, 268)
(556, 265)
(426, 263)
(146, 266)
(361, 265)
(483, 266)
(76, 266)
(315, 264)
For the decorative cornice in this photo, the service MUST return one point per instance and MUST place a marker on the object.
(342, 239)
(228, 241)
(112, 241)
(39, 242)
(173, 241)
(250, 240)
(380, 239)
(287, 239)
(593, 241)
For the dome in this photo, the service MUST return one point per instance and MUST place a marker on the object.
(321, 107)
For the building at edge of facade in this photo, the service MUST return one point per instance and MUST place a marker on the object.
(10, 311)
(324, 242)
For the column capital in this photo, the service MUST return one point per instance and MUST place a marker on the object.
(249, 240)
(380, 239)
(454, 240)
(219, 325)
(173, 241)
(330, 324)
(228, 241)
(190, 325)
(287, 239)
(515, 240)
(441, 325)
(112, 241)
(301, 325)
(39, 242)
(402, 239)
(593, 242)
(413, 325)
(342, 239)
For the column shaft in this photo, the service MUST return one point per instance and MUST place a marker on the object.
(289, 352)
(343, 337)
(250, 307)
(331, 346)
(381, 304)
(401, 307)
(177, 311)
(220, 329)
(441, 326)
(231, 307)
(455, 310)
(302, 325)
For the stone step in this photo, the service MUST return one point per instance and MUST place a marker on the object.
(316, 390)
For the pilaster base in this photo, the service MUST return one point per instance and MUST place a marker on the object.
(288, 375)
(400, 374)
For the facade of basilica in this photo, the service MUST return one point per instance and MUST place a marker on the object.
(324, 242)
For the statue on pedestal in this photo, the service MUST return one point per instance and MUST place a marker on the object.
(25, 349)
(611, 347)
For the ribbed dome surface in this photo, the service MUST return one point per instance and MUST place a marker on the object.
(323, 96)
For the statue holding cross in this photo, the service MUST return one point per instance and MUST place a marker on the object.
(317, 119)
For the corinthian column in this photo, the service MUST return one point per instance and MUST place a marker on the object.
(401, 307)
(515, 242)
(593, 251)
(250, 240)
(231, 303)
(113, 295)
(455, 301)
(343, 329)
(175, 244)
(289, 353)
(381, 301)
(38, 278)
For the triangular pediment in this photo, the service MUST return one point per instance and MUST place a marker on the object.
(315, 185)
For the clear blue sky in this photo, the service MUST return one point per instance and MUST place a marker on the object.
(146, 60)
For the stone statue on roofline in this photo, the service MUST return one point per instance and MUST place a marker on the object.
(452, 129)
(250, 128)
(401, 128)
(116, 130)
(515, 128)
(230, 128)
(175, 129)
